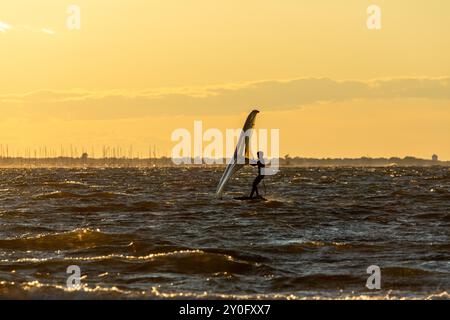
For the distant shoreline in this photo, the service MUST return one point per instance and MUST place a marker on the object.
(67, 162)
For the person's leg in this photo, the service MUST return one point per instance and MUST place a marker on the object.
(254, 189)
(255, 186)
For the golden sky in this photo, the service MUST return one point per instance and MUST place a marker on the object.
(138, 69)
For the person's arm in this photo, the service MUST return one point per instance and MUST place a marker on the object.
(247, 161)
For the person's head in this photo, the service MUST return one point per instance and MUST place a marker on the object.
(260, 155)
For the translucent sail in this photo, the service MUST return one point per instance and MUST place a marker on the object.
(242, 150)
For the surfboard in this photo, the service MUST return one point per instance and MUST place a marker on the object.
(242, 150)
(251, 199)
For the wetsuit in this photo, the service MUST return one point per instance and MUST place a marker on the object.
(258, 179)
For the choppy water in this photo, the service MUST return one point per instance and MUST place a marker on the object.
(159, 232)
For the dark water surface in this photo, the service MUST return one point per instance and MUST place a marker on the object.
(160, 232)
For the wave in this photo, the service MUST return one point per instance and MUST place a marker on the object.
(405, 272)
(67, 183)
(315, 281)
(72, 195)
(140, 206)
(431, 216)
(41, 290)
(76, 239)
(179, 262)
(297, 246)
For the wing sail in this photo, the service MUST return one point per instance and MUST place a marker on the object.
(242, 149)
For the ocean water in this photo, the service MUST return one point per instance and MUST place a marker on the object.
(161, 233)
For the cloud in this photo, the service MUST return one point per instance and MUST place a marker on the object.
(48, 31)
(4, 27)
(227, 99)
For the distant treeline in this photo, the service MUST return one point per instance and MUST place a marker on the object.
(361, 162)
(63, 162)
(165, 162)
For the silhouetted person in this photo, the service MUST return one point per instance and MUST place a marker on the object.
(260, 176)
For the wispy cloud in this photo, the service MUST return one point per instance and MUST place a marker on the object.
(4, 27)
(226, 99)
(48, 31)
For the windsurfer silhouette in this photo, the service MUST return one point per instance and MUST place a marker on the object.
(260, 176)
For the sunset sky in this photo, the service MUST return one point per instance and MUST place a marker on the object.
(139, 69)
